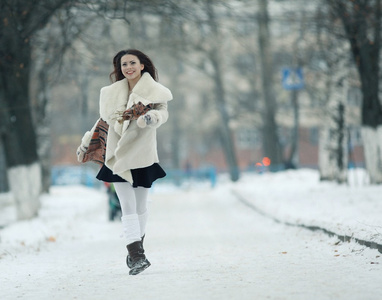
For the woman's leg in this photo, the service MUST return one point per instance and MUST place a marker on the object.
(130, 220)
(126, 196)
(136, 259)
(141, 196)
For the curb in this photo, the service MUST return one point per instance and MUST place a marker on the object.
(343, 238)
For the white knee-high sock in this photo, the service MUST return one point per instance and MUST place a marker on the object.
(134, 210)
(131, 228)
(142, 222)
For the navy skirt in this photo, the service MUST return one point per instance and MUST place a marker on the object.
(143, 177)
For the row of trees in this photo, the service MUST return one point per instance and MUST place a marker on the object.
(41, 39)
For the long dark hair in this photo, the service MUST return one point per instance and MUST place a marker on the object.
(117, 75)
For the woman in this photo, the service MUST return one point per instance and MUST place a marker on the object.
(134, 106)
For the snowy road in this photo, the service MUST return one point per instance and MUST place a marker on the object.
(202, 245)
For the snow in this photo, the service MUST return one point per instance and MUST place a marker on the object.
(299, 198)
(203, 243)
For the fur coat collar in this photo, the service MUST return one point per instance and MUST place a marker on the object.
(115, 98)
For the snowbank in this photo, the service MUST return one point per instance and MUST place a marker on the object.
(298, 197)
(60, 215)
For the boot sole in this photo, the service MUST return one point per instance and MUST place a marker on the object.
(136, 271)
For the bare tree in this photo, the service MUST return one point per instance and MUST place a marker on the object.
(270, 139)
(21, 20)
(48, 58)
(361, 22)
(332, 63)
(203, 43)
(214, 56)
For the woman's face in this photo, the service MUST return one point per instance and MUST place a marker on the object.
(131, 67)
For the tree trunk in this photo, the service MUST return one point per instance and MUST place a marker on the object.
(175, 108)
(4, 187)
(226, 136)
(333, 151)
(225, 132)
(292, 160)
(19, 138)
(362, 24)
(25, 184)
(20, 21)
(372, 141)
(271, 145)
(43, 131)
(176, 131)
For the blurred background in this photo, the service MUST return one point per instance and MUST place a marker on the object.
(258, 85)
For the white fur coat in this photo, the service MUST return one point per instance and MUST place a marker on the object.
(129, 146)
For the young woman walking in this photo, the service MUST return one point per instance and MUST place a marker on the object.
(133, 106)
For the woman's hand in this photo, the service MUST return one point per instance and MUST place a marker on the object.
(81, 150)
(85, 141)
(147, 119)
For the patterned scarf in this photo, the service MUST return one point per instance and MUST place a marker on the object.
(134, 112)
(97, 147)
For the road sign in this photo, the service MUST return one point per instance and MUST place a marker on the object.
(292, 78)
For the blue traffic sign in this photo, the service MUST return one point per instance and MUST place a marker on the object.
(292, 78)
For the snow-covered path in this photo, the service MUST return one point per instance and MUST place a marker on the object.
(203, 244)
